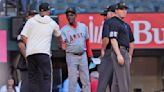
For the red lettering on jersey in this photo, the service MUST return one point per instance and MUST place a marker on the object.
(78, 35)
(71, 39)
(74, 37)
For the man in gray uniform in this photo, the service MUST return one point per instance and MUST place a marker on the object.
(75, 35)
(122, 39)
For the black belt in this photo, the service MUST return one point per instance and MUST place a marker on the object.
(78, 54)
(123, 47)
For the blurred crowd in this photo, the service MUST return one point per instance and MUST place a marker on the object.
(82, 6)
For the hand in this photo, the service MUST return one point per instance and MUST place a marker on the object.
(24, 39)
(130, 56)
(120, 59)
(102, 53)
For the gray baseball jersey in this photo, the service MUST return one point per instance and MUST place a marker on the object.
(75, 38)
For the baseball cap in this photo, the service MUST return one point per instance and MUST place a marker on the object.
(70, 9)
(109, 8)
(104, 13)
(121, 5)
(112, 8)
(44, 7)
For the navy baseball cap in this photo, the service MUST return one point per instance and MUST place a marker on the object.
(121, 5)
(104, 13)
(112, 8)
(44, 7)
(70, 9)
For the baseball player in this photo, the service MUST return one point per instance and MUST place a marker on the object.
(75, 35)
(106, 66)
(38, 31)
(122, 40)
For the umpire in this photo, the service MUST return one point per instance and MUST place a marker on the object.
(122, 40)
(106, 66)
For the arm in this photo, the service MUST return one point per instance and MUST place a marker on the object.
(57, 34)
(63, 39)
(131, 49)
(131, 45)
(25, 32)
(113, 35)
(22, 48)
(105, 42)
(88, 46)
(23, 39)
(60, 42)
(89, 50)
(117, 51)
(105, 37)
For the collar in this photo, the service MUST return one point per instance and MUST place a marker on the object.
(120, 20)
(74, 26)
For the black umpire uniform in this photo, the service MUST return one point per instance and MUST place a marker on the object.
(106, 66)
(121, 31)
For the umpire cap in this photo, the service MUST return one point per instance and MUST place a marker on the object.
(44, 7)
(110, 8)
(104, 13)
(70, 9)
(121, 5)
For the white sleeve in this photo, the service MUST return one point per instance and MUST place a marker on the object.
(63, 36)
(57, 32)
(26, 28)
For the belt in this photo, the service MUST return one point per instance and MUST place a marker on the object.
(78, 54)
(123, 47)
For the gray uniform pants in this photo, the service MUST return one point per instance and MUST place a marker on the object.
(105, 72)
(121, 78)
(74, 63)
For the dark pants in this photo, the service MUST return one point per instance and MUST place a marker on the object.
(105, 72)
(24, 79)
(121, 76)
(22, 66)
(39, 67)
